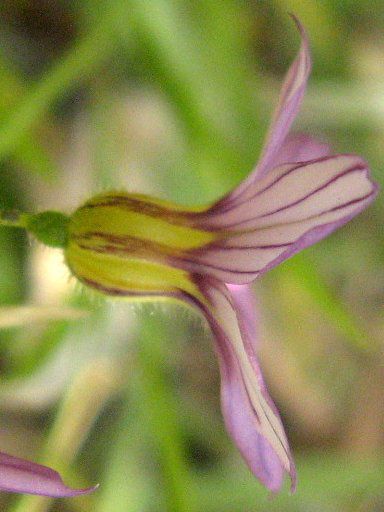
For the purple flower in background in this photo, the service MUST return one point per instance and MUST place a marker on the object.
(22, 476)
(133, 246)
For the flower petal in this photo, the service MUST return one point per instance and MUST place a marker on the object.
(287, 108)
(243, 299)
(250, 415)
(301, 148)
(22, 476)
(289, 103)
(292, 207)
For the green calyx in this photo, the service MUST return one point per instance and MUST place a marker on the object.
(50, 228)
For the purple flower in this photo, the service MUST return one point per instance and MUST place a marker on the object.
(137, 247)
(22, 476)
(128, 245)
(296, 196)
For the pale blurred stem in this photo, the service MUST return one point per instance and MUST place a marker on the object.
(76, 65)
(160, 412)
(81, 405)
(125, 485)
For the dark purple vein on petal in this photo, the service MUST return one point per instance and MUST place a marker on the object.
(239, 223)
(286, 174)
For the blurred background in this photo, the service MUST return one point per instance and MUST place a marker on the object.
(173, 98)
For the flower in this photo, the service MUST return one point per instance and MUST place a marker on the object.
(22, 476)
(18, 475)
(137, 247)
(134, 246)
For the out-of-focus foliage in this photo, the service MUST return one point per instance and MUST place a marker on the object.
(172, 98)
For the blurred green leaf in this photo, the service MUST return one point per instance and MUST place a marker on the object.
(160, 410)
(30, 155)
(301, 268)
(86, 55)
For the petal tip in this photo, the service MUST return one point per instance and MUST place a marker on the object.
(25, 477)
(79, 492)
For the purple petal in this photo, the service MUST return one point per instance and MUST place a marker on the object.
(22, 476)
(292, 207)
(291, 96)
(250, 415)
(289, 103)
(244, 300)
(300, 148)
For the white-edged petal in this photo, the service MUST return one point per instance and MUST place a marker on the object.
(250, 415)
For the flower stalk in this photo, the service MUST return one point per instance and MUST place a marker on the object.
(49, 228)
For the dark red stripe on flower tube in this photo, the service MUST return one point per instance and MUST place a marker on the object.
(119, 292)
(124, 245)
(144, 207)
